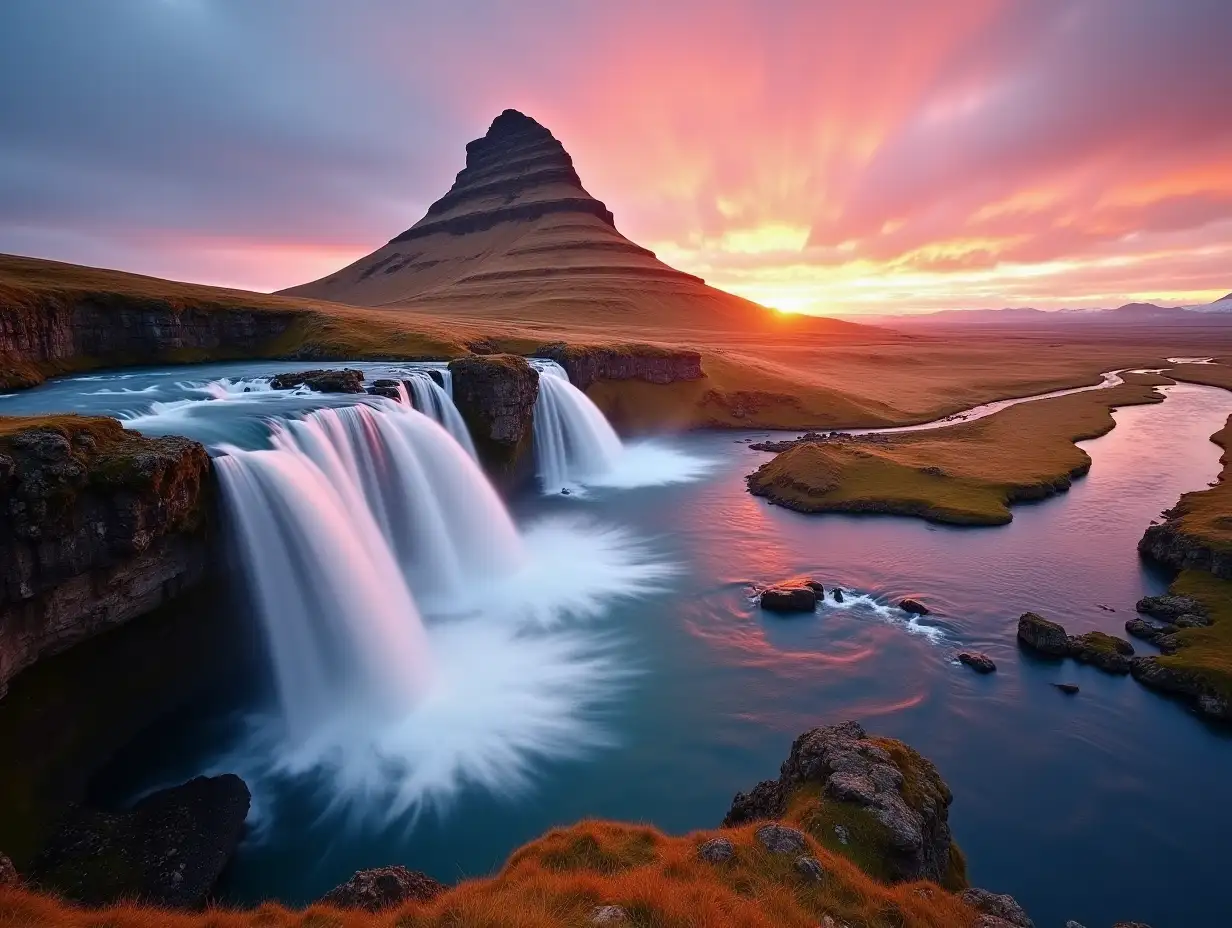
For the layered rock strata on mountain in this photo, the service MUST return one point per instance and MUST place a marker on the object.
(100, 525)
(517, 236)
(496, 396)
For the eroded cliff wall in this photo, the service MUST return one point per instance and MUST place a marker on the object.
(99, 525)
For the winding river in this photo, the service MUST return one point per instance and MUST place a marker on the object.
(692, 693)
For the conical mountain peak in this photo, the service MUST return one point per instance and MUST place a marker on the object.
(517, 172)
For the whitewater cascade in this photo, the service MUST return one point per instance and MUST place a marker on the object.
(351, 510)
(574, 442)
(432, 400)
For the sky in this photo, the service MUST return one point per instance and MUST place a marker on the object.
(827, 156)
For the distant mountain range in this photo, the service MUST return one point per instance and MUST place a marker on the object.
(1217, 313)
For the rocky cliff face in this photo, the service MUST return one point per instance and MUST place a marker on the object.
(586, 366)
(496, 396)
(99, 526)
(1170, 544)
(57, 331)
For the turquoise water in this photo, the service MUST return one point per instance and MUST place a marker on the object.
(1057, 799)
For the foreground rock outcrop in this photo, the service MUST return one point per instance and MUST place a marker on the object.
(876, 788)
(100, 525)
(169, 850)
(496, 396)
(1107, 652)
(383, 888)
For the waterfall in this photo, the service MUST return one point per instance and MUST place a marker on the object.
(340, 620)
(444, 521)
(432, 400)
(349, 511)
(574, 442)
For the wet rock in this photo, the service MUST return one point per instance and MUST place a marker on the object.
(842, 834)
(1169, 608)
(789, 597)
(779, 839)
(1073, 924)
(386, 388)
(383, 888)
(1206, 700)
(8, 873)
(608, 915)
(1158, 635)
(977, 661)
(838, 595)
(816, 587)
(716, 851)
(1107, 652)
(496, 396)
(998, 905)
(851, 768)
(1068, 688)
(1041, 635)
(914, 606)
(168, 850)
(811, 869)
(344, 380)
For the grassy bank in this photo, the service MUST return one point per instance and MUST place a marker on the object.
(964, 474)
(1205, 653)
(559, 879)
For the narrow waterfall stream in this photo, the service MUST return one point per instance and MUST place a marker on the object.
(574, 442)
(437, 402)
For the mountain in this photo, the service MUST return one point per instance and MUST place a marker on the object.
(1221, 305)
(1128, 314)
(518, 237)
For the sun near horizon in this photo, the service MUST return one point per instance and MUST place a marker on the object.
(771, 149)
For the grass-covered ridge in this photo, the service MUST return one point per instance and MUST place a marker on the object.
(562, 877)
(964, 474)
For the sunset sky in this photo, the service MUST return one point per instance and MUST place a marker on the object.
(818, 155)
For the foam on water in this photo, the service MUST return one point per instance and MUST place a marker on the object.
(421, 644)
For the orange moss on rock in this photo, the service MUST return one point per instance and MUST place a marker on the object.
(559, 879)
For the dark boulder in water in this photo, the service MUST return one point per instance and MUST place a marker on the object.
(1159, 635)
(914, 606)
(168, 850)
(1107, 652)
(789, 597)
(383, 888)
(977, 661)
(1041, 635)
(838, 595)
(1068, 688)
(346, 380)
(385, 388)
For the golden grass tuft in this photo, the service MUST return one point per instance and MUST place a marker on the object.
(557, 880)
